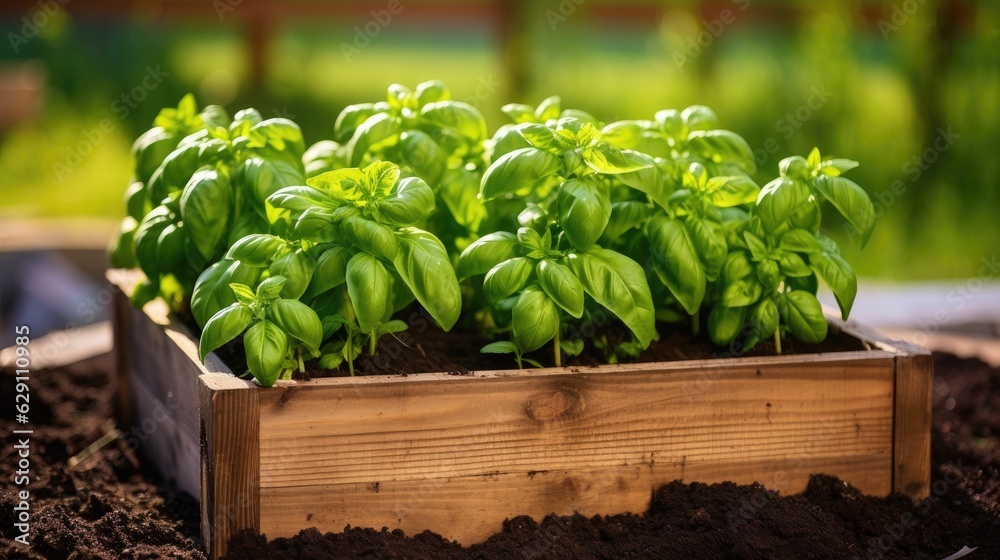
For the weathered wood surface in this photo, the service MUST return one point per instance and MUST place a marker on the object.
(230, 443)
(458, 455)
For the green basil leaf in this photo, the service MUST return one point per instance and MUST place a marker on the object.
(851, 201)
(458, 116)
(837, 166)
(583, 212)
(709, 241)
(499, 347)
(559, 283)
(723, 146)
(800, 241)
(541, 137)
(519, 112)
(726, 323)
(175, 172)
(149, 151)
(619, 284)
(263, 178)
(411, 201)
(764, 319)
(368, 287)
(331, 270)
(224, 326)
(625, 215)
(535, 321)
(266, 346)
(371, 237)
(244, 295)
(270, 288)
(136, 201)
(677, 263)
(648, 180)
(699, 117)
(297, 268)
(548, 109)
(419, 151)
(839, 276)
(520, 171)
(506, 140)
(459, 189)
(257, 249)
(769, 274)
(122, 253)
(742, 292)
(350, 119)
(804, 316)
(281, 134)
(205, 207)
(792, 265)
(725, 192)
(298, 320)
(605, 158)
(147, 236)
(170, 247)
(423, 264)
(507, 278)
(736, 267)
(378, 131)
(778, 200)
(485, 253)
(212, 290)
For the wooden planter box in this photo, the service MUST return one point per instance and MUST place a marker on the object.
(459, 454)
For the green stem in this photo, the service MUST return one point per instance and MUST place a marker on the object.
(695, 323)
(349, 311)
(777, 341)
(302, 365)
(558, 350)
(371, 345)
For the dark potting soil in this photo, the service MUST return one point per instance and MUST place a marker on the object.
(110, 506)
(424, 348)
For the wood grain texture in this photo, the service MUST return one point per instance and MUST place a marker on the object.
(912, 444)
(458, 454)
(230, 430)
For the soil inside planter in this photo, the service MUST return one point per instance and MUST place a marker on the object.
(111, 506)
(425, 348)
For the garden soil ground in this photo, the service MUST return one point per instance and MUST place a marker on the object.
(110, 505)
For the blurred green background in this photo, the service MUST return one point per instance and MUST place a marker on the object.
(909, 88)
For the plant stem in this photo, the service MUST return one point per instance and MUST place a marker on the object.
(302, 365)
(371, 345)
(777, 341)
(558, 350)
(349, 312)
(695, 323)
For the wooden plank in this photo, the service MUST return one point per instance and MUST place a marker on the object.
(230, 442)
(912, 444)
(460, 455)
(120, 317)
